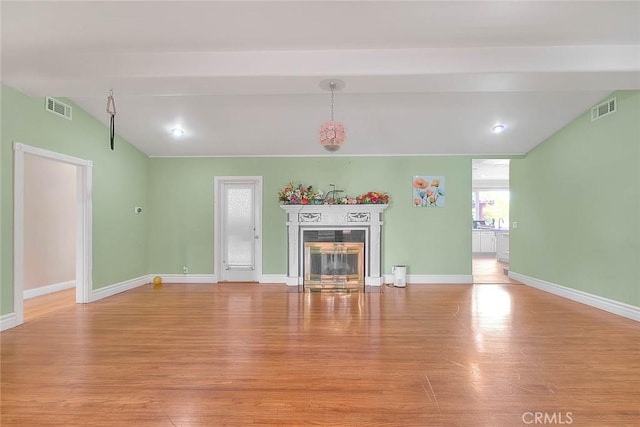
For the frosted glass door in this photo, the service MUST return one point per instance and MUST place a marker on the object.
(239, 232)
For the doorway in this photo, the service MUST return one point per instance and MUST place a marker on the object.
(490, 220)
(238, 228)
(49, 234)
(83, 234)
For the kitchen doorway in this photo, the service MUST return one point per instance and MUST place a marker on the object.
(490, 221)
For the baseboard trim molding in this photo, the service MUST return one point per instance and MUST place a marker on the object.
(8, 321)
(48, 289)
(434, 279)
(292, 281)
(375, 282)
(273, 278)
(187, 278)
(615, 307)
(116, 288)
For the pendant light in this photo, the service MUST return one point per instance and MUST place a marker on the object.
(332, 133)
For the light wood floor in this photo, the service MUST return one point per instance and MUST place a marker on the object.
(247, 354)
(44, 305)
(487, 269)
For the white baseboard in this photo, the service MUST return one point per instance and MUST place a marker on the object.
(186, 278)
(49, 289)
(116, 288)
(434, 279)
(292, 281)
(621, 309)
(373, 281)
(273, 278)
(8, 321)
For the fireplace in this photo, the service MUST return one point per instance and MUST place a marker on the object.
(333, 259)
(334, 247)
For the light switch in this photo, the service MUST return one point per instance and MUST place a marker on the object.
(514, 224)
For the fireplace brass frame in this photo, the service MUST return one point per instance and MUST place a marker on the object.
(334, 282)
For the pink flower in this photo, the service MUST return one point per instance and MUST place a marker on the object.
(420, 183)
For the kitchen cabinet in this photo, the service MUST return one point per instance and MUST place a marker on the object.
(502, 247)
(483, 241)
(475, 241)
(487, 241)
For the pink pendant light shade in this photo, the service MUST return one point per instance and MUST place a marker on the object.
(331, 135)
(332, 132)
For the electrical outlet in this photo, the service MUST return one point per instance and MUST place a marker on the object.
(185, 269)
(514, 225)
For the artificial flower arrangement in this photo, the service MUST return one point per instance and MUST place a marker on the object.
(293, 194)
(299, 195)
(373, 197)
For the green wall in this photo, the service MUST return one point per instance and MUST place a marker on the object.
(176, 227)
(428, 240)
(576, 200)
(575, 197)
(120, 238)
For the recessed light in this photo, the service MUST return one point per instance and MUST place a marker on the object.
(177, 132)
(499, 128)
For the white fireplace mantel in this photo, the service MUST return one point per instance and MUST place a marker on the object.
(309, 217)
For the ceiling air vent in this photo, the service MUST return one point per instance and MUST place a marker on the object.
(603, 109)
(56, 107)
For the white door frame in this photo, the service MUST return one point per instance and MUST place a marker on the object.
(84, 173)
(218, 182)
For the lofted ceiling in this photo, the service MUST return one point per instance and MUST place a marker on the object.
(242, 78)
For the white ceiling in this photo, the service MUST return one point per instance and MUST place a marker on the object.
(242, 77)
(484, 170)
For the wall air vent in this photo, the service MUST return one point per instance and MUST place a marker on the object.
(54, 106)
(603, 109)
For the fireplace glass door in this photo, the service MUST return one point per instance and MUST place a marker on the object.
(336, 266)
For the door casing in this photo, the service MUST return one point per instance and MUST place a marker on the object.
(218, 203)
(84, 183)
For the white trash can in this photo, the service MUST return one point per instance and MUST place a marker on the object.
(399, 276)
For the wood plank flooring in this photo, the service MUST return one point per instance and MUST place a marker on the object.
(487, 269)
(248, 354)
(44, 305)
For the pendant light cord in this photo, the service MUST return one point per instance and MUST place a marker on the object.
(332, 85)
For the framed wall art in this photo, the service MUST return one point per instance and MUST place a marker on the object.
(428, 191)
